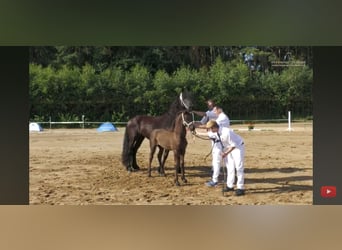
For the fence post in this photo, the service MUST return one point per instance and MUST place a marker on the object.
(289, 121)
(83, 121)
(50, 122)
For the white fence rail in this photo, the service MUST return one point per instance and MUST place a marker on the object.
(83, 122)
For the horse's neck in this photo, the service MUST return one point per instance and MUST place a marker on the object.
(170, 117)
(175, 108)
(179, 127)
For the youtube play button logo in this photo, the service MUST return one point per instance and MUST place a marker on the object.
(328, 191)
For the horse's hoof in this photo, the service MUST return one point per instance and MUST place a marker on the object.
(162, 174)
(131, 169)
(177, 184)
(136, 168)
(185, 180)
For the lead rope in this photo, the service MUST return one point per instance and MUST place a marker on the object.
(187, 124)
(194, 134)
(224, 167)
(203, 138)
(211, 150)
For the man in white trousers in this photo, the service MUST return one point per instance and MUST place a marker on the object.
(229, 146)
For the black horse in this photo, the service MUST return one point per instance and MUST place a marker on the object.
(141, 126)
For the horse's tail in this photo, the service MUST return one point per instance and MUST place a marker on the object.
(125, 149)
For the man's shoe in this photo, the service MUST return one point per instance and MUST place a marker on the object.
(211, 184)
(239, 192)
(227, 189)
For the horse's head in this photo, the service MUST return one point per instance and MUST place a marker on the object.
(186, 100)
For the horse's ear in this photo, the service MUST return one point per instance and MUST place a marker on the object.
(186, 98)
(185, 92)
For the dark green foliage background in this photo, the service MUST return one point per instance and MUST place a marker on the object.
(115, 83)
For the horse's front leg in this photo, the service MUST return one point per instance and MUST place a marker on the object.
(177, 166)
(182, 168)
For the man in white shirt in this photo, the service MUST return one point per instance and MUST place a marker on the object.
(229, 146)
(222, 119)
(207, 116)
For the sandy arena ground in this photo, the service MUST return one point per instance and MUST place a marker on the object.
(82, 166)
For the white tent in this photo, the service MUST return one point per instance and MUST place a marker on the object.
(35, 127)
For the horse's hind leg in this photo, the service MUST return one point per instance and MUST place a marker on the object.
(152, 150)
(128, 145)
(162, 155)
(138, 140)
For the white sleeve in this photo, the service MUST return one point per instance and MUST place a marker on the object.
(204, 119)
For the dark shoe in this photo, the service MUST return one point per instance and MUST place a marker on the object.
(239, 192)
(227, 189)
(211, 184)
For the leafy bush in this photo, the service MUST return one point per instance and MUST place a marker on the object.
(112, 93)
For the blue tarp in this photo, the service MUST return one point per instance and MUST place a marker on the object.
(107, 127)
